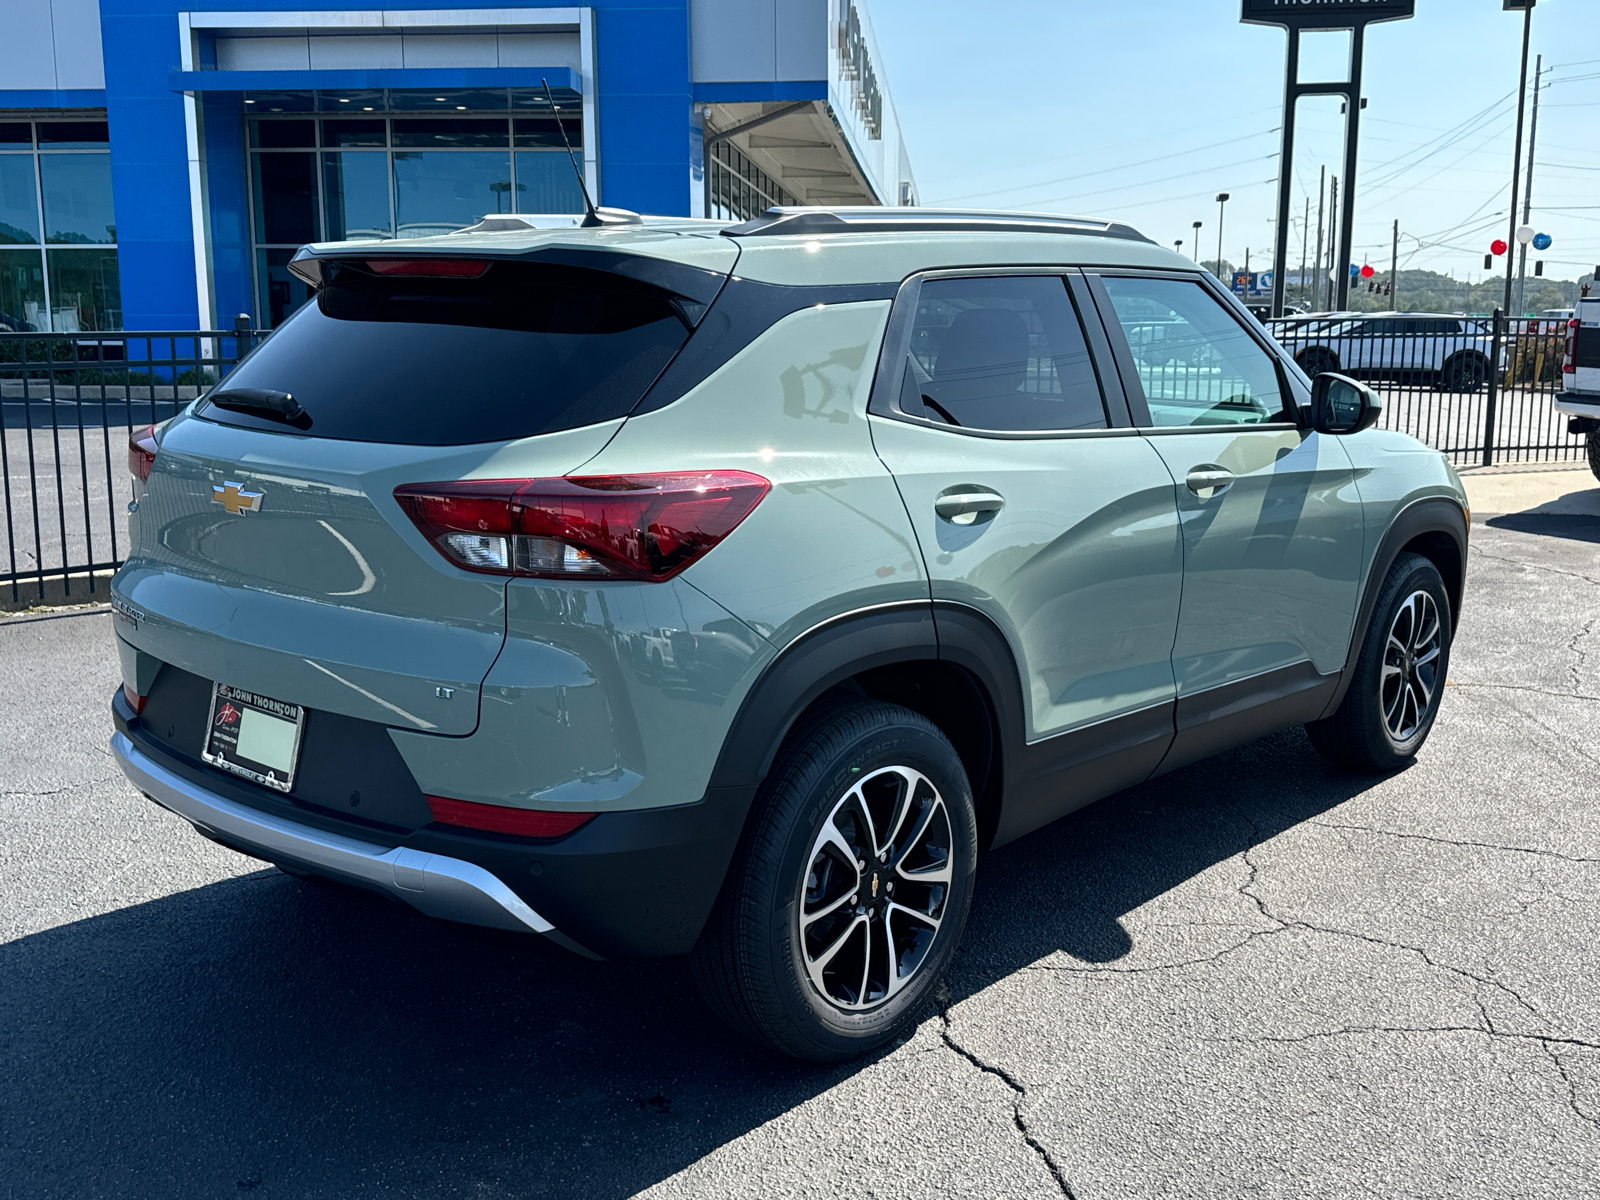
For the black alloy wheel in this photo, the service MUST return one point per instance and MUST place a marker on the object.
(1464, 373)
(850, 889)
(1398, 682)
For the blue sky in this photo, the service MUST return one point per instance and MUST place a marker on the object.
(1144, 109)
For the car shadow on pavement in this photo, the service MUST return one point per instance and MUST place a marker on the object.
(274, 1036)
(1562, 525)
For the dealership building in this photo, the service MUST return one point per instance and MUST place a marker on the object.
(162, 160)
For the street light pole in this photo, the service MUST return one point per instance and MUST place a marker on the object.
(1516, 161)
(1197, 241)
(1222, 203)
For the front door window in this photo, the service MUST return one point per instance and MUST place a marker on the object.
(1197, 363)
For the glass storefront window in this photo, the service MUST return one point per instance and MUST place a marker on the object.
(355, 189)
(77, 199)
(55, 187)
(286, 198)
(546, 183)
(22, 305)
(19, 201)
(437, 191)
(85, 290)
(344, 175)
(281, 291)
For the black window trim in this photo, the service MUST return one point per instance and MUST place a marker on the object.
(1123, 353)
(884, 399)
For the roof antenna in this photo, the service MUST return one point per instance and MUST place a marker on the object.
(592, 216)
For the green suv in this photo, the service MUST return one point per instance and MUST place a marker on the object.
(666, 588)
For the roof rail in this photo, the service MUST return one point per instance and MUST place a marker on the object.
(796, 221)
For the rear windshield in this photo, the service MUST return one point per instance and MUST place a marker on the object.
(524, 349)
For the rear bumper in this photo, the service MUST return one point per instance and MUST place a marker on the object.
(431, 883)
(1578, 404)
(626, 885)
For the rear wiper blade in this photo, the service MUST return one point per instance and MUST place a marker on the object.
(262, 400)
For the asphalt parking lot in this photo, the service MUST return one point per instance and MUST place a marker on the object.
(1253, 977)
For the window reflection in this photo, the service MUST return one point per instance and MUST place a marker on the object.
(438, 191)
(77, 199)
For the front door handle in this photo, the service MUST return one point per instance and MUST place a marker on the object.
(1208, 480)
(968, 507)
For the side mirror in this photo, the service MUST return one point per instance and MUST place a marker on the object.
(1341, 405)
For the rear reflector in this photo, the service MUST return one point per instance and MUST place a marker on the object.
(642, 527)
(495, 818)
(135, 701)
(142, 452)
(439, 268)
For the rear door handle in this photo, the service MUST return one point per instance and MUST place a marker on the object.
(1208, 480)
(967, 508)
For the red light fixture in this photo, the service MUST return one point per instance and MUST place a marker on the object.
(1569, 360)
(438, 268)
(1497, 247)
(1367, 272)
(497, 818)
(142, 452)
(639, 527)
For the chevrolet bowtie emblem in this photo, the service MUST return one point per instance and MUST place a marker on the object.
(233, 497)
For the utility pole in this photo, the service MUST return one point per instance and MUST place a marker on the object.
(1222, 205)
(1333, 240)
(1322, 194)
(1305, 234)
(1394, 268)
(1527, 205)
(1516, 161)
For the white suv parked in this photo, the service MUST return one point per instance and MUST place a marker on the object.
(1449, 351)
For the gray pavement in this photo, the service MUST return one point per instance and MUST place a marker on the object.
(1254, 977)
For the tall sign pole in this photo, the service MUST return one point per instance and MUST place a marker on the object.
(1516, 162)
(1298, 16)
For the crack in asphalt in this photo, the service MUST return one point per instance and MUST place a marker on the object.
(1423, 837)
(1019, 1094)
(1523, 687)
(1246, 889)
(1580, 655)
(70, 787)
(1517, 562)
(1572, 1087)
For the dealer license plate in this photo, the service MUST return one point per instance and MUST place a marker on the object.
(254, 736)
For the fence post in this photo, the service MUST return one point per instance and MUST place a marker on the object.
(1494, 388)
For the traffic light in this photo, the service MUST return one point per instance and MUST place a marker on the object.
(1538, 266)
(1488, 262)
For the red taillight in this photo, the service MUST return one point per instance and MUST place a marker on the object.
(496, 818)
(448, 268)
(1569, 364)
(135, 701)
(142, 452)
(646, 527)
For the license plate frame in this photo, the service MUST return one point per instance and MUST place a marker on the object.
(225, 725)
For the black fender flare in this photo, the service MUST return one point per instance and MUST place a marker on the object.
(820, 658)
(1429, 515)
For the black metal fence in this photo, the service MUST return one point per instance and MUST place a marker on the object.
(1439, 381)
(67, 405)
(69, 401)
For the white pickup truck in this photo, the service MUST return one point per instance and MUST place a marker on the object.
(1580, 373)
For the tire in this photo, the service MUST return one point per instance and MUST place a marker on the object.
(1386, 716)
(1465, 373)
(801, 992)
(1593, 444)
(1317, 359)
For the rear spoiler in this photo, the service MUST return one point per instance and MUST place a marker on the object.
(692, 288)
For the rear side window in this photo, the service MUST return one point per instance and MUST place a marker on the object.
(1004, 354)
(523, 349)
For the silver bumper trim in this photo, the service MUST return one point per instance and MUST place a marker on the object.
(431, 883)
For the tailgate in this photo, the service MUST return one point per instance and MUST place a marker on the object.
(323, 593)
